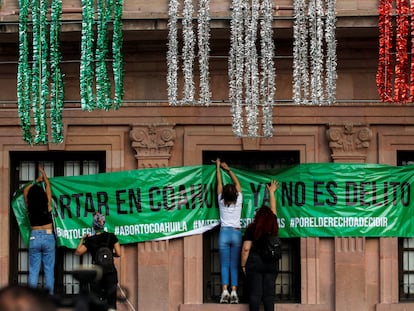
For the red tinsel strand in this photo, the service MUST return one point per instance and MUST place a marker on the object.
(381, 55)
(401, 67)
(384, 74)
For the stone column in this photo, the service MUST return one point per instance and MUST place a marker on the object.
(152, 144)
(349, 143)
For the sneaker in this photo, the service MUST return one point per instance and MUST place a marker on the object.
(233, 297)
(225, 296)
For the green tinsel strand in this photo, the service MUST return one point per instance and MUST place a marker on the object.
(41, 135)
(118, 63)
(36, 66)
(23, 73)
(103, 86)
(57, 89)
(86, 64)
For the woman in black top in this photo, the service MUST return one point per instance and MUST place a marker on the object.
(260, 273)
(42, 245)
(104, 288)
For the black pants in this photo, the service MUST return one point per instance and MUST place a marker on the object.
(105, 289)
(261, 278)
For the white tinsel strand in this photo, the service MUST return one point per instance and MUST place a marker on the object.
(252, 71)
(267, 67)
(331, 74)
(172, 53)
(188, 52)
(204, 51)
(300, 54)
(236, 66)
(316, 54)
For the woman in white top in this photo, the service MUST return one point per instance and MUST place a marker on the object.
(230, 238)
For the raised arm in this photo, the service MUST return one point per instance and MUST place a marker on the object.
(47, 186)
(219, 179)
(272, 188)
(232, 175)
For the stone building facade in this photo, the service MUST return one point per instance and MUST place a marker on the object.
(335, 273)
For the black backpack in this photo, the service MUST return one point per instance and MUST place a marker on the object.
(104, 258)
(270, 248)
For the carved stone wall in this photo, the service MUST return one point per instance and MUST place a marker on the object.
(152, 143)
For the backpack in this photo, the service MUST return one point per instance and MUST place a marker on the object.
(270, 248)
(104, 258)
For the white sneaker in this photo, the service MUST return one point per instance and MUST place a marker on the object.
(233, 297)
(225, 296)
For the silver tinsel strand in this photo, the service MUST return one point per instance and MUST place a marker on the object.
(204, 51)
(267, 83)
(236, 66)
(300, 54)
(188, 52)
(331, 59)
(316, 51)
(172, 53)
(251, 77)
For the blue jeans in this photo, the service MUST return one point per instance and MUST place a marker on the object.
(230, 241)
(42, 249)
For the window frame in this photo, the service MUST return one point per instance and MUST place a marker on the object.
(290, 262)
(15, 250)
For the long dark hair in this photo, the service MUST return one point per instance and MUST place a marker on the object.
(36, 197)
(264, 223)
(229, 194)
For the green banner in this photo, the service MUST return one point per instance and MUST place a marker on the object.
(313, 200)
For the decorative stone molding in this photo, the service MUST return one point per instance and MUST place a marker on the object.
(152, 144)
(349, 142)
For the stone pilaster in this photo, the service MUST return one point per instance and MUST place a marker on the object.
(152, 144)
(349, 143)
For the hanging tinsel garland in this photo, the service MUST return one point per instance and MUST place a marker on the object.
(118, 63)
(411, 88)
(56, 88)
(267, 83)
(203, 31)
(188, 52)
(250, 86)
(40, 72)
(107, 11)
(401, 88)
(331, 58)
(23, 73)
(300, 54)
(395, 76)
(103, 85)
(86, 73)
(33, 84)
(236, 66)
(172, 52)
(310, 62)
(384, 72)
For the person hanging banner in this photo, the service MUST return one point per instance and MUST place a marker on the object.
(313, 200)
